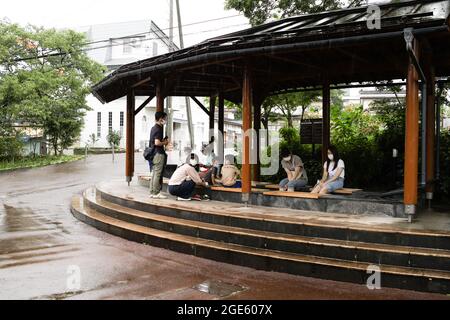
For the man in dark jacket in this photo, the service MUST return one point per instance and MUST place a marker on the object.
(159, 160)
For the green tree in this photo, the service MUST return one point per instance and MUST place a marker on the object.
(260, 11)
(287, 104)
(44, 80)
(113, 139)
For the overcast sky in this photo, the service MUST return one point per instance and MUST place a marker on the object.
(77, 13)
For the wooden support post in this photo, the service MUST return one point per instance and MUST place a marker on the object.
(326, 101)
(257, 128)
(221, 143)
(212, 112)
(246, 126)
(159, 97)
(129, 164)
(431, 132)
(411, 138)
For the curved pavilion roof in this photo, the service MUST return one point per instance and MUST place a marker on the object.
(294, 53)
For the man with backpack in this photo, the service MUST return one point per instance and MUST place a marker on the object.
(158, 156)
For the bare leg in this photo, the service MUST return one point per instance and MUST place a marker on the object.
(324, 190)
(316, 189)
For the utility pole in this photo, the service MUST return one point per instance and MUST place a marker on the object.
(188, 101)
(169, 111)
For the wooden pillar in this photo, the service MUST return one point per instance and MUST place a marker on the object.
(221, 146)
(431, 132)
(326, 101)
(257, 128)
(129, 162)
(246, 126)
(411, 138)
(212, 112)
(159, 97)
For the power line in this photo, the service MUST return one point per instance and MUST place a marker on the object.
(114, 45)
(165, 29)
(149, 39)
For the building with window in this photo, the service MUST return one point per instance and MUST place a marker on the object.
(125, 43)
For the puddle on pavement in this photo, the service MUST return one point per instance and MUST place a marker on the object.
(219, 288)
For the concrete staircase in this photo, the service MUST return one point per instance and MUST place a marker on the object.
(409, 259)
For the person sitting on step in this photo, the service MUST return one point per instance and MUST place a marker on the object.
(230, 174)
(295, 171)
(333, 173)
(184, 179)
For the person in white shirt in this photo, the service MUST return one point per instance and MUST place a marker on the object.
(333, 173)
(184, 179)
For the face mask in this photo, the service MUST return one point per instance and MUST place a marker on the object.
(331, 157)
(287, 159)
(163, 122)
(193, 163)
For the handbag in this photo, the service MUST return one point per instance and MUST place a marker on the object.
(149, 153)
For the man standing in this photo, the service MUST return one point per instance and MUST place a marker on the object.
(159, 160)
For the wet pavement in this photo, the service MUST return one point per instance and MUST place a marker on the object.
(43, 248)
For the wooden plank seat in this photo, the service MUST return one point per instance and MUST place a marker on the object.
(217, 188)
(304, 195)
(346, 191)
(236, 190)
(277, 187)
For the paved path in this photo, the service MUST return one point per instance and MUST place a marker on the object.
(42, 246)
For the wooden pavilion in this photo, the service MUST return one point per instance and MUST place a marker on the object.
(322, 51)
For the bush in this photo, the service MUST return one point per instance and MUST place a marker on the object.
(444, 184)
(10, 148)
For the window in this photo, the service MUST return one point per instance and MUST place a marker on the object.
(127, 48)
(121, 122)
(144, 124)
(99, 124)
(155, 49)
(129, 44)
(110, 125)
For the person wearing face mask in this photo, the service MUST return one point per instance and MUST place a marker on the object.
(333, 173)
(297, 177)
(159, 160)
(184, 179)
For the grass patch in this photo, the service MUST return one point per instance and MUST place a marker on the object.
(41, 161)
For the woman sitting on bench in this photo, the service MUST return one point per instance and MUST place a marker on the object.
(230, 173)
(333, 173)
(296, 173)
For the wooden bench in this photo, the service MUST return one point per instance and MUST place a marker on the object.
(346, 191)
(303, 195)
(272, 186)
(236, 190)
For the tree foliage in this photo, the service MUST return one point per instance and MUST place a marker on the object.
(45, 77)
(260, 11)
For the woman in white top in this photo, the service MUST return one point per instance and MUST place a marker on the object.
(333, 173)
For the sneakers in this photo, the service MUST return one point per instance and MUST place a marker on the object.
(205, 198)
(158, 196)
(183, 199)
(197, 198)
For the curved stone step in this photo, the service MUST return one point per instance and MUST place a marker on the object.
(269, 219)
(333, 269)
(338, 249)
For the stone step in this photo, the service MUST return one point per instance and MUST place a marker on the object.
(319, 267)
(331, 248)
(271, 220)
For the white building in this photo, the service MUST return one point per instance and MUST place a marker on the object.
(125, 43)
